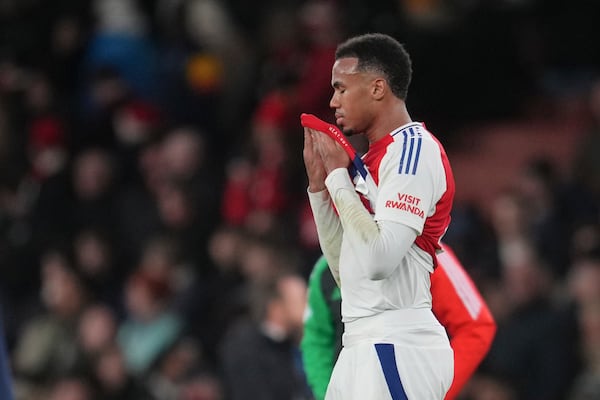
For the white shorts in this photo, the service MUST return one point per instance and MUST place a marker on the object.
(386, 357)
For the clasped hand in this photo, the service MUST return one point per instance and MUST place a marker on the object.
(321, 155)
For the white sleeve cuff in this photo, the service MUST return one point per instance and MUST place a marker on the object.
(339, 178)
(317, 199)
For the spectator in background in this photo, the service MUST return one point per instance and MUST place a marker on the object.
(188, 192)
(108, 92)
(261, 187)
(135, 123)
(585, 240)
(264, 258)
(73, 387)
(137, 208)
(227, 298)
(531, 350)
(113, 380)
(47, 346)
(171, 372)
(184, 154)
(162, 260)
(96, 261)
(509, 224)
(120, 39)
(255, 262)
(36, 191)
(182, 219)
(584, 291)
(93, 180)
(321, 31)
(225, 250)
(68, 38)
(258, 357)
(220, 71)
(178, 196)
(539, 189)
(96, 330)
(150, 326)
(103, 360)
(471, 236)
(48, 196)
(257, 192)
(584, 195)
(203, 386)
(486, 387)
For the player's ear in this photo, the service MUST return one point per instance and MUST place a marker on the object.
(378, 88)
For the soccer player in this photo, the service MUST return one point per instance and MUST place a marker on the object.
(456, 303)
(393, 346)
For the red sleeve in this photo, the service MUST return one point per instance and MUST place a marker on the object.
(458, 305)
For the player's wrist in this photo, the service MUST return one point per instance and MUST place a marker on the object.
(338, 174)
(316, 188)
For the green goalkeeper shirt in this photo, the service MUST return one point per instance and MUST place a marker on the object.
(321, 342)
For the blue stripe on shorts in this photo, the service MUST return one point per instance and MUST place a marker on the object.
(387, 359)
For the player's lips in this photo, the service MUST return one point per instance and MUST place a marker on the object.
(338, 119)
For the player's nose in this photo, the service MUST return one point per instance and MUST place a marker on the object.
(334, 101)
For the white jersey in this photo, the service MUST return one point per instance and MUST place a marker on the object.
(394, 347)
(415, 189)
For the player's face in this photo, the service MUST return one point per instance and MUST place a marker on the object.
(351, 98)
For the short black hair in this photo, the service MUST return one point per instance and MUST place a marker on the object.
(383, 54)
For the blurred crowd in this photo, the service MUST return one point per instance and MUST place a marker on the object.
(155, 236)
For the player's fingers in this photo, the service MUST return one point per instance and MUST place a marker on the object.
(339, 148)
(312, 152)
(325, 144)
(307, 136)
(311, 136)
(309, 142)
(316, 137)
(332, 153)
(317, 141)
(322, 146)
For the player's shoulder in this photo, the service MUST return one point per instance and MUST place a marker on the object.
(412, 135)
(412, 141)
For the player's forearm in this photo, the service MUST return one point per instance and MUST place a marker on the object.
(329, 229)
(379, 246)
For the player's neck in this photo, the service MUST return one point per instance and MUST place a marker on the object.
(391, 118)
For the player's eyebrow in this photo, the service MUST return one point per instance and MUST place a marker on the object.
(337, 84)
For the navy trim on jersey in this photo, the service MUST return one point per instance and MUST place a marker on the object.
(419, 141)
(353, 171)
(360, 166)
(387, 359)
(410, 162)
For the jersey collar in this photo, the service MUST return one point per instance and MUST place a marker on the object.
(405, 126)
